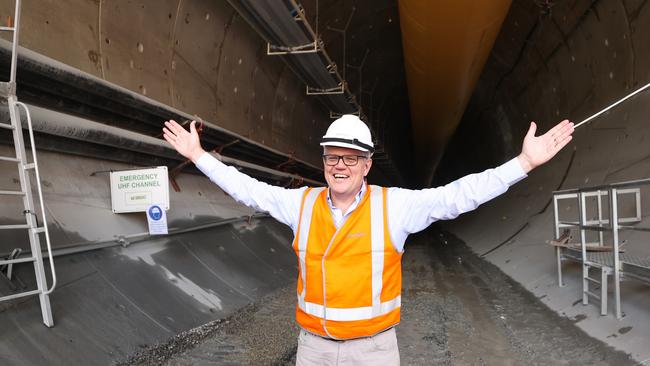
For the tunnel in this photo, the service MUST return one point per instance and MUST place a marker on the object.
(555, 271)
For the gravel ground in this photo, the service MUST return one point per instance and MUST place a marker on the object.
(264, 333)
(457, 310)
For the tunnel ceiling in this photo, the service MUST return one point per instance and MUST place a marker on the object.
(413, 107)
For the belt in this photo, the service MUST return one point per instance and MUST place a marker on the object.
(350, 339)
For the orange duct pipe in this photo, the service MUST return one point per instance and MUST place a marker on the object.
(446, 44)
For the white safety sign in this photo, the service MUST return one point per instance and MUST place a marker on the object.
(136, 190)
(157, 219)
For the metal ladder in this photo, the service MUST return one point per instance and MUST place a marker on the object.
(8, 93)
(600, 283)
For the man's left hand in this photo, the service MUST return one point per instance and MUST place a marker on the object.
(537, 150)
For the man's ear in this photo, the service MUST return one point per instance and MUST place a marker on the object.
(368, 166)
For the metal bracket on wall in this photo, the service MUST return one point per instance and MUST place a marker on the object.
(295, 183)
(340, 89)
(283, 165)
(274, 50)
(298, 13)
(177, 170)
(7, 89)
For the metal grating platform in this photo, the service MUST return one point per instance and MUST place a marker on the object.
(607, 259)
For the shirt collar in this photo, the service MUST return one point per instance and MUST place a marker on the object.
(357, 198)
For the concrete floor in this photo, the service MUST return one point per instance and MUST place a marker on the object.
(458, 309)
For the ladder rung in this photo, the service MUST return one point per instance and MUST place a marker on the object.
(8, 127)
(38, 229)
(12, 193)
(592, 280)
(8, 158)
(19, 260)
(22, 294)
(7, 29)
(29, 166)
(592, 294)
(11, 227)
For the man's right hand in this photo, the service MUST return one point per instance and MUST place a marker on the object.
(186, 143)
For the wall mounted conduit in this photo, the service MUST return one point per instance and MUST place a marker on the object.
(59, 124)
(284, 26)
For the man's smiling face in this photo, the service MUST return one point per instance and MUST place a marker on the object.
(345, 180)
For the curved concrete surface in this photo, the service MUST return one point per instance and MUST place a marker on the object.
(552, 59)
(112, 303)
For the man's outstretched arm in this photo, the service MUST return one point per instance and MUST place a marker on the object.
(415, 210)
(283, 204)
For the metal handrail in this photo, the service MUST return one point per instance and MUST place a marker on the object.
(596, 224)
(602, 228)
(40, 196)
(605, 186)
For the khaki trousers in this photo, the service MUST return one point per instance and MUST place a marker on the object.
(380, 349)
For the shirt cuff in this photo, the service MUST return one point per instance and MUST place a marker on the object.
(206, 163)
(511, 172)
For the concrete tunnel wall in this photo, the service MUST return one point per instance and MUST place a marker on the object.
(139, 291)
(200, 57)
(568, 61)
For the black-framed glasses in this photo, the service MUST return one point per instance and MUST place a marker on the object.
(348, 160)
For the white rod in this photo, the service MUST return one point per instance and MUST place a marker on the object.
(646, 86)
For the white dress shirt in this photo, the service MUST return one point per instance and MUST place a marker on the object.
(409, 211)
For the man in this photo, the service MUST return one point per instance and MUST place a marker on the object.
(349, 237)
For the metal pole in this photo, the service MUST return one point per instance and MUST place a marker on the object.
(558, 254)
(583, 245)
(600, 217)
(14, 46)
(617, 265)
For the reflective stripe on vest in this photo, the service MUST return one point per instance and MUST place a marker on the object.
(377, 257)
(350, 314)
(377, 242)
(305, 223)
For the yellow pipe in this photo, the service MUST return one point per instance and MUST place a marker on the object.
(446, 44)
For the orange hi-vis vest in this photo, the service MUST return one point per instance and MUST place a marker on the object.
(350, 279)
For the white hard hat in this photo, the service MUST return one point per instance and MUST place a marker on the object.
(349, 131)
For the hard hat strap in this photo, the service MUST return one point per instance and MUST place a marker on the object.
(349, 141)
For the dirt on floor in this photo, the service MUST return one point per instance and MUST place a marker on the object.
(457, 309)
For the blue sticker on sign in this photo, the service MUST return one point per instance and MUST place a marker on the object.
(155, 212)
